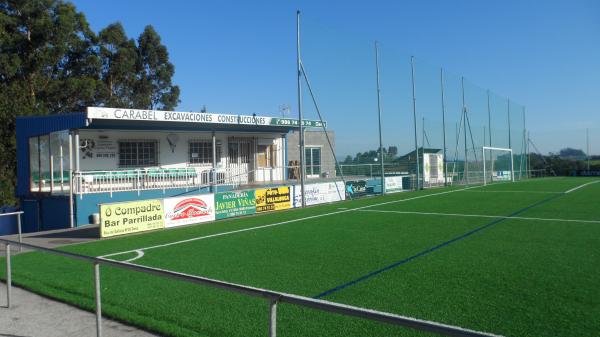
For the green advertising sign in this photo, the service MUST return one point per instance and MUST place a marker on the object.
(231, 204)
(294, 122)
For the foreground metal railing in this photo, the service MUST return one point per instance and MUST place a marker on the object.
(273, 297)
(19, 231)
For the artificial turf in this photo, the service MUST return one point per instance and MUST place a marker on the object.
(507, 276)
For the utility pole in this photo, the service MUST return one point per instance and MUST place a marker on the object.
(300, 117)
(412, 72)
(444, 125)
(379, 116)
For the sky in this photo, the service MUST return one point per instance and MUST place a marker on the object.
(240, 57)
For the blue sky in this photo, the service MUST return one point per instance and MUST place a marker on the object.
(239, 57)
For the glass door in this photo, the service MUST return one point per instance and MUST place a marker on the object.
(313, 161)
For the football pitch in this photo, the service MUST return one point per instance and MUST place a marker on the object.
(514, 259)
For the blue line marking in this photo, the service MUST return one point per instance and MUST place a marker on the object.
(434, 248)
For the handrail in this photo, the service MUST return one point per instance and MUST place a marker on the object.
(273, 296)
(19, 231)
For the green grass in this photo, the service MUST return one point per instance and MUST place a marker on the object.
(514, 277)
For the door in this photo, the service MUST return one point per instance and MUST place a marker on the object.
(313, 161)
(240, 160)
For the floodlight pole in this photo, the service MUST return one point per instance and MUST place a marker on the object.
(489, 128)
(587, 140)
(445, 171)
(528, 156)
(522, 150)
(466, 168)
(412, 72)
(508, 110)
(300, 117)
(379, 114)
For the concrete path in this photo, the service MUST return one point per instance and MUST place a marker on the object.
(32, 315)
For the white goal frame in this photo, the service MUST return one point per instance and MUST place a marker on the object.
(512, 165)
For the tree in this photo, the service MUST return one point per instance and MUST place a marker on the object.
(570, 153)
(52, 62)
(154, 89)
(119, 66)
(47, 65)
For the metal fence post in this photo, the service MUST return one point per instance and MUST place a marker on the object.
(19, 230)
(273, 319)
(98, 300)
(8, 276)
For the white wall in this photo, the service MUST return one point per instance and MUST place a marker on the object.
(104, 155)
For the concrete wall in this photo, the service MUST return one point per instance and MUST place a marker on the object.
(313, 139)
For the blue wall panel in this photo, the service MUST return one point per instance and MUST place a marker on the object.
(54, 213)
(31, 217)
(8, 223)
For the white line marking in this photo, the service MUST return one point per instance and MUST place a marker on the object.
(285, 222)
(583, 185)
(479, 216)
(139, 253)
(513, 191)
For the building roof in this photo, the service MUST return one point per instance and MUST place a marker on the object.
(421, 151)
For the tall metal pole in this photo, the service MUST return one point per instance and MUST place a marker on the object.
(444, 125)
(300, 118)
(528, 156)
(587, 140)
(489, 118)
(523, 157)
(509, 142)
(489, 109)
(412, 72)
(379, 114)
(466, 168)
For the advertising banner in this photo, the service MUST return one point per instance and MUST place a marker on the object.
(393, 184)
(193, 117)
(232, 204)
(356, 188)
(319, 193)
(273, 199)
(426, 167)
(189, 210)
(130, 217)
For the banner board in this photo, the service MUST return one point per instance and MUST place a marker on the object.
(502, 175)
(393, 184)
(232, 204)
(194, 117)
(319, 193)
(189, 210)
(273, 199)
(130, 217)
(356, 188)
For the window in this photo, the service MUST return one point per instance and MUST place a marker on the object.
(138, 153)
(200, 152)
(313, 161)
(266, 156)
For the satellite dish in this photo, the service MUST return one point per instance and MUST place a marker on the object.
(172, 138)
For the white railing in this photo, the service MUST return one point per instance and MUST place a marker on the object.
(86, 182)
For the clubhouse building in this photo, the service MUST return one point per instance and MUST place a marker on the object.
(69, 164)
